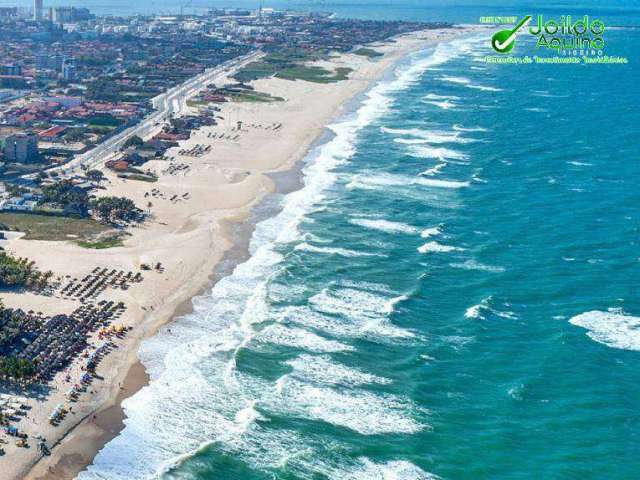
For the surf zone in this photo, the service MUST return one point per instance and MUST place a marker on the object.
(584, 35)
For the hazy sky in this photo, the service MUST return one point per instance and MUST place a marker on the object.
(626, 12)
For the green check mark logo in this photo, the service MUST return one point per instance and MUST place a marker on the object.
(504, 40)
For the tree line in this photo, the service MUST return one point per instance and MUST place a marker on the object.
(21, 272)
(76, 201)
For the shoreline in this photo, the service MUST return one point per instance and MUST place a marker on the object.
(79, 445)
(106, 423)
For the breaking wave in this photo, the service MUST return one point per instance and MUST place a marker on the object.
(199, 398)
(385, 225)
(435, 247)
(612, 328)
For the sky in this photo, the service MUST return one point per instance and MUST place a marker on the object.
(618, 12)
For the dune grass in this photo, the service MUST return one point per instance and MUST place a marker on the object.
(368, 52)
(253, 96)
(109, 242)
(290, 66)
(50, 227)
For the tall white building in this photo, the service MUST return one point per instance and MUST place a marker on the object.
(37, 10)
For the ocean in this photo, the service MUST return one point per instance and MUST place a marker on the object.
(452, 293)
(614, 12)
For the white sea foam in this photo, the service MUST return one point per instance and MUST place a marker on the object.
(613, 328)
(486, 306)
(376, 181)
(367, 286)
(473, 311)
(310, 237)
(544, 93)
(460, 128)
(435, 247)
(474, 265)
(373, 328)
(467, 83)
(484, 88)
(344, 252)
(352, 302)
(300, 339)
(427, 136)
(458, 80)
(429, 182)
(433, 96)
(457, 342)
(430, 232)
(434, 170)
(394, 470)
(322, 370)
(367, 313)
(385, 225)
(358, 410)
(390, 306)
(443, 104)
(410, 141)
(197, 397)
(441, 153)
(515, 392)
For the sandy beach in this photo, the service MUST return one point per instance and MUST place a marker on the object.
(192, 206)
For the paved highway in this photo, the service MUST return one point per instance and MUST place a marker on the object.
(173, 101)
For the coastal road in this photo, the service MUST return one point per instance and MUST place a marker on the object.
(171, 102)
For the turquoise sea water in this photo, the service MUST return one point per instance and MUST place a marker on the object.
(452, 294)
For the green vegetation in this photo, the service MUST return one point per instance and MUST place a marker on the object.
(20, 272)
(255, 71)
(75, 135)
(109, 242)
(103, 89)
(104, 121)
(40, 177)
(140, 177)
(116, 209)
(95, 175)
(94, 60)
(13, 325)
(16, 190)
(133, 141)
(101, 130)
(297, 55)
(50, 227)
(341, 73)
(368, 52)
(290, 66)
(66, 195)
(196, 103)
(16, 368)
(253, 96)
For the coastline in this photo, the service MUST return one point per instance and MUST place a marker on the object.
(80, 442)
